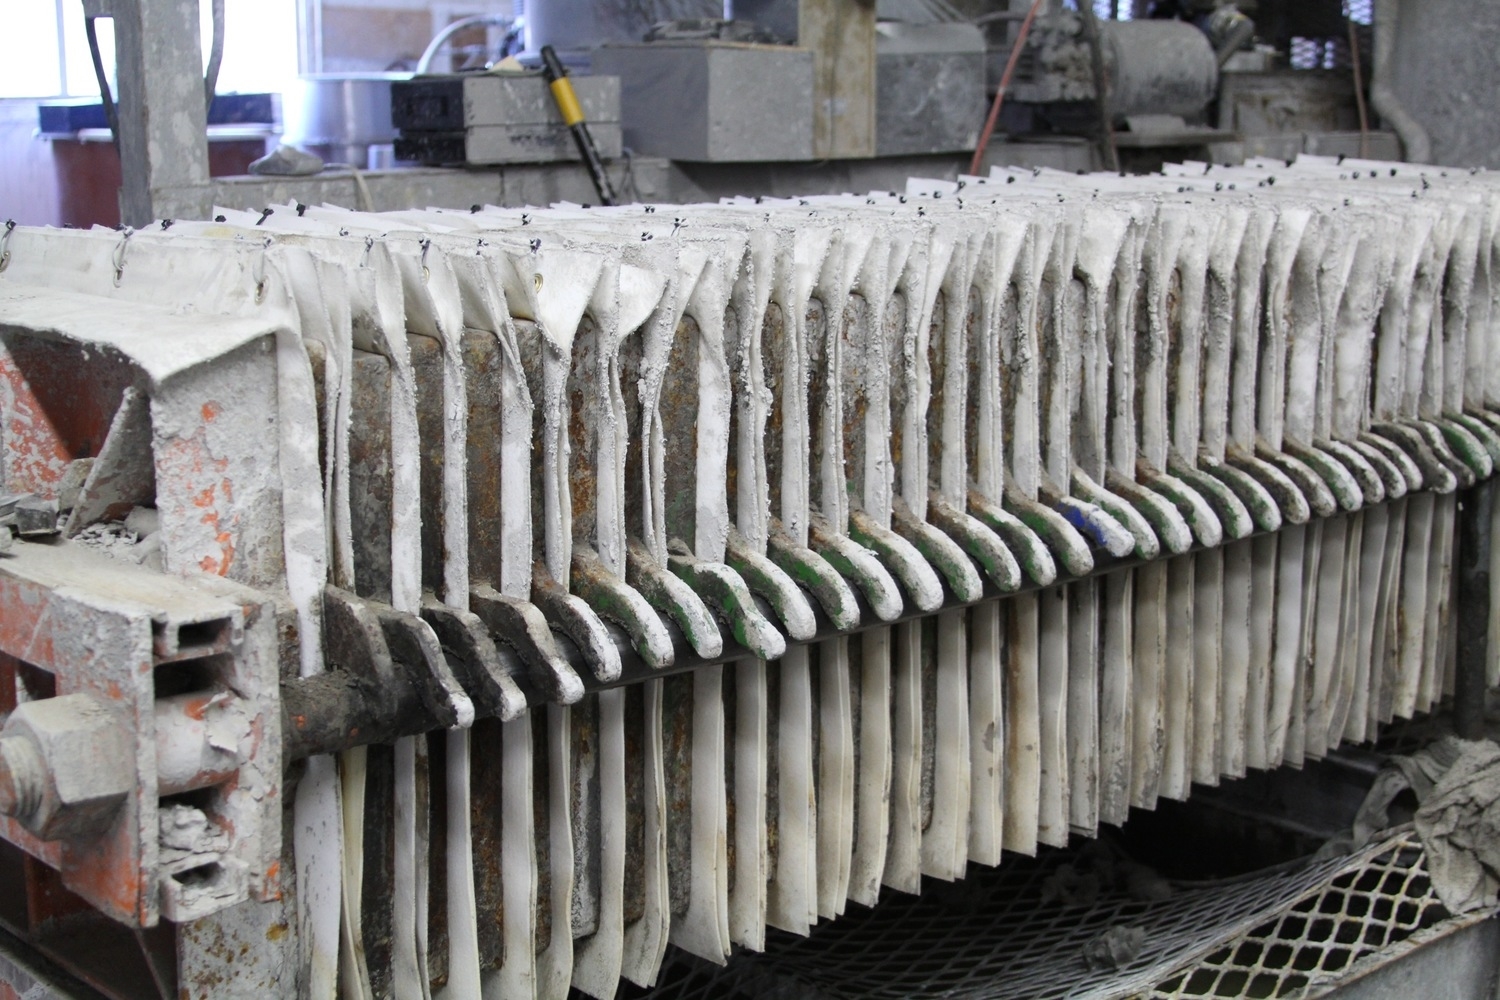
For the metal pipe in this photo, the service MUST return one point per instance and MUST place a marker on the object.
(215, 57)
(1414, 139)
(106, 97)
(1101, 87)
(342, 709)
(1359, 90)
(441, 38)
(1010, 67)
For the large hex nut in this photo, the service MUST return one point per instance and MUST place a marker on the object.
(69, 763)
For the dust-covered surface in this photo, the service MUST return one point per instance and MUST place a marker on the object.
(136, 539)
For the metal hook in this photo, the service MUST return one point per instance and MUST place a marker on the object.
(260, 272)
(119, 254)
(10, 227)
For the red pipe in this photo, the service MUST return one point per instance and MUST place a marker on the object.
(1010, 67)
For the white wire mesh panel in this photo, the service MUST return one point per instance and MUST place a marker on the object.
(1361, 910)
(1021, 932)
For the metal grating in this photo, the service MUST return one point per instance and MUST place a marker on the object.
(1361, 911)
(1028, 930)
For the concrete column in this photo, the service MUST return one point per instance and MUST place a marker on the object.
(841, 34)
(163, 122)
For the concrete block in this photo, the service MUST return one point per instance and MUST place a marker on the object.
(710, 101)
(485, 119)
(929, 88)
(446, 103)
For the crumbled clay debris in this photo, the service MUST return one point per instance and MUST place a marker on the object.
(134, 540)
(111, 538)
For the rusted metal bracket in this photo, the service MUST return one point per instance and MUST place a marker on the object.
(149, 774)
(388, 676)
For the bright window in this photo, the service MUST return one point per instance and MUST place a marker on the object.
(32, 67)
(1113, 10)
(49, 55)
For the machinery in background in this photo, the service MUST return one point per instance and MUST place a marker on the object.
(913, 77)
(1199, 75)
(479, 119)
(788, 81)
(344, 118)
(1158, 76)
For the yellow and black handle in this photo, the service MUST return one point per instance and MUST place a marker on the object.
(572, 116)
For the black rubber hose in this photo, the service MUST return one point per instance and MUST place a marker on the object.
(215, 57)
(111, 115)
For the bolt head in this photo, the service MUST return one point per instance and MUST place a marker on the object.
(73, 762)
